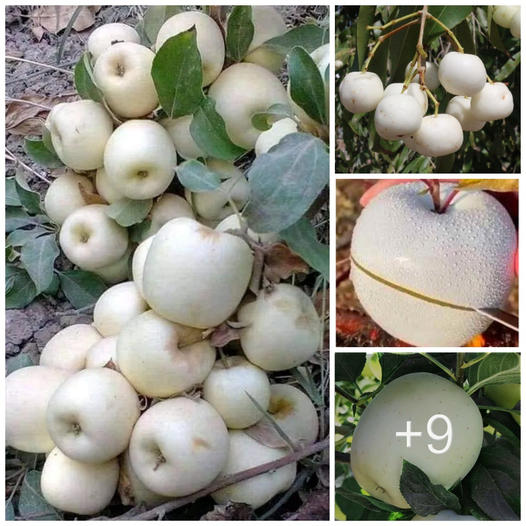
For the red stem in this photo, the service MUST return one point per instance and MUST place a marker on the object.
(434, 191)
(448, 200)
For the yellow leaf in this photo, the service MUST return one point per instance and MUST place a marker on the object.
(495, 185)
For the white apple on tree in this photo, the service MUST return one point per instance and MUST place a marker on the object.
(69, 347)
(460, 108)
(105, 188)
(430, 76)
(90, 417)
(462, 73)
(456, 261)
(77, 487)
(179, 130)
(361, 91)
(79, 132)
(377, 453)
(160, 358)
(168, 206)
(27, 393)
(274, 134)
(503, 14)
(140, 159)
(123, 74)
(179, 446)
(91, 239)
(102, 353)
(494, 101)
(397, 116)
(107, 35)
(413, 90)
(209, 288)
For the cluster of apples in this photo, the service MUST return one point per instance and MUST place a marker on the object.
(508, 17)
(400, 114)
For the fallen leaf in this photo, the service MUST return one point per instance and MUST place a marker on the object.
(495, 185)
(91, 198)
(31, 126)
(281, 263)
(17, 112)
(264, 433)
(55, 18)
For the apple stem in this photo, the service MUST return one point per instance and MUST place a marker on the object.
(448, 200)
(434, 191)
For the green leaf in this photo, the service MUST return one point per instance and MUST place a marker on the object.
(239, 33)
(197, 177)
(46, 139)
(465, 36)
(37, 151)
(31, 501)
(178, 76)
(29, 199)
(209, 132)
(18, 238)
(365, 18)
(301, 238)
(9, 511)
(81, 288)
(155, 17)
(424, 497)
(402, 46)
(138, 231)
(299, 169)
(307, 36)
(21, 289)
(128, 212)
(263, 120)
(84, 82)
(307, 89)
(348, 366)
(496, 368)
(38, 257)
(11, 194)
(450, 16)
(16, 217)
(18, 362)
(509, 67)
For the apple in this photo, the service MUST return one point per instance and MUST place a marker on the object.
(430, 76)
(91, 239)
(140, 159)
(515, 27)
(209, 40)
(397, 116)
(460, 108)
(27, 393)
(274, 134)
(462, 73)
(361, 91)
(102, 352)
(463, 257)
(69, 347)
(246, 453)
(413, 90)
(186, 281)
(109, 34)
(281, 328)
(506, 396)
(179, 130)
(494, 101)
(235, 222)
(227, 387)
(179, 446)
(240, 91)
(139, 258)
(117, 306)
(168, 206)
(268, 24)
(90, 417)
(123, 74)
(503, 14)
(63, 196)
(377, 453)
(118, 271)
(105, 188)
(79, 132)
(84, 489)
(160, 358)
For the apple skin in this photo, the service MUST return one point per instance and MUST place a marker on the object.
(117, 271)
(463, 256)
(377, 454)
(179, 446)
(28, 391)
(246, 453)
(506, 396)
(105, 188)
(179, 130)
(102, 352)
(84, 489)
(168, 206)
(109, 34)
(139, 258)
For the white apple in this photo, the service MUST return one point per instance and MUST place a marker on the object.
(377, 453)
(179, 446)
(69, 347)
(274, 134)
(361, 91)
(109, 34)
(91, 239)
(63, 196)
(227, 387)
(281, 328)
(494, 101)
(246, 453)
(27, 393)
(430, 76)
(139, 258)
(179, 130)
(90, 417)
(105, 188)
(194, 275)
(239, 92)
(84, 489)
(413, 90)
(463, 257)
(234, 222)
(460, 108)
(118, 271)
(209, 40)
(462, 73)
(123, 74)
(168, 206)
(102, 352)
(160, 358)
(515, 27)
(116, 307)
(140, 159)
(79, 131)
(268, 24)
(503, 14)
(397, 116)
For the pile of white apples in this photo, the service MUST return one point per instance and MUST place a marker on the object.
(122, 395)
(400, 114)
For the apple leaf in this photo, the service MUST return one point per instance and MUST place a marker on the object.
(81, 288)
(239, 33)
(496, 368)
(18, 362)
(29, 199)
(365, 18)
(83, 77)
(424, 497)
(308, 36)
(18, 238)
(139, 230)
(155, 16)
(263, 120)
(11, 193)
(450, 16)
(494, 185)
(128, 212)
(38, 257)
(348, 366)
(209, 132)
(38, 152)
(299, 166)
(31, 501)
(195, 176)
(15, 218)
(20, 289)
(178, 75)
(307, 89)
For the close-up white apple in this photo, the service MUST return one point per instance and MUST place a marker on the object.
(107, 35)
(102, 353)
(90, 417)
(419, 274)
(117, 271)
(179, 130)
(168, 206)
